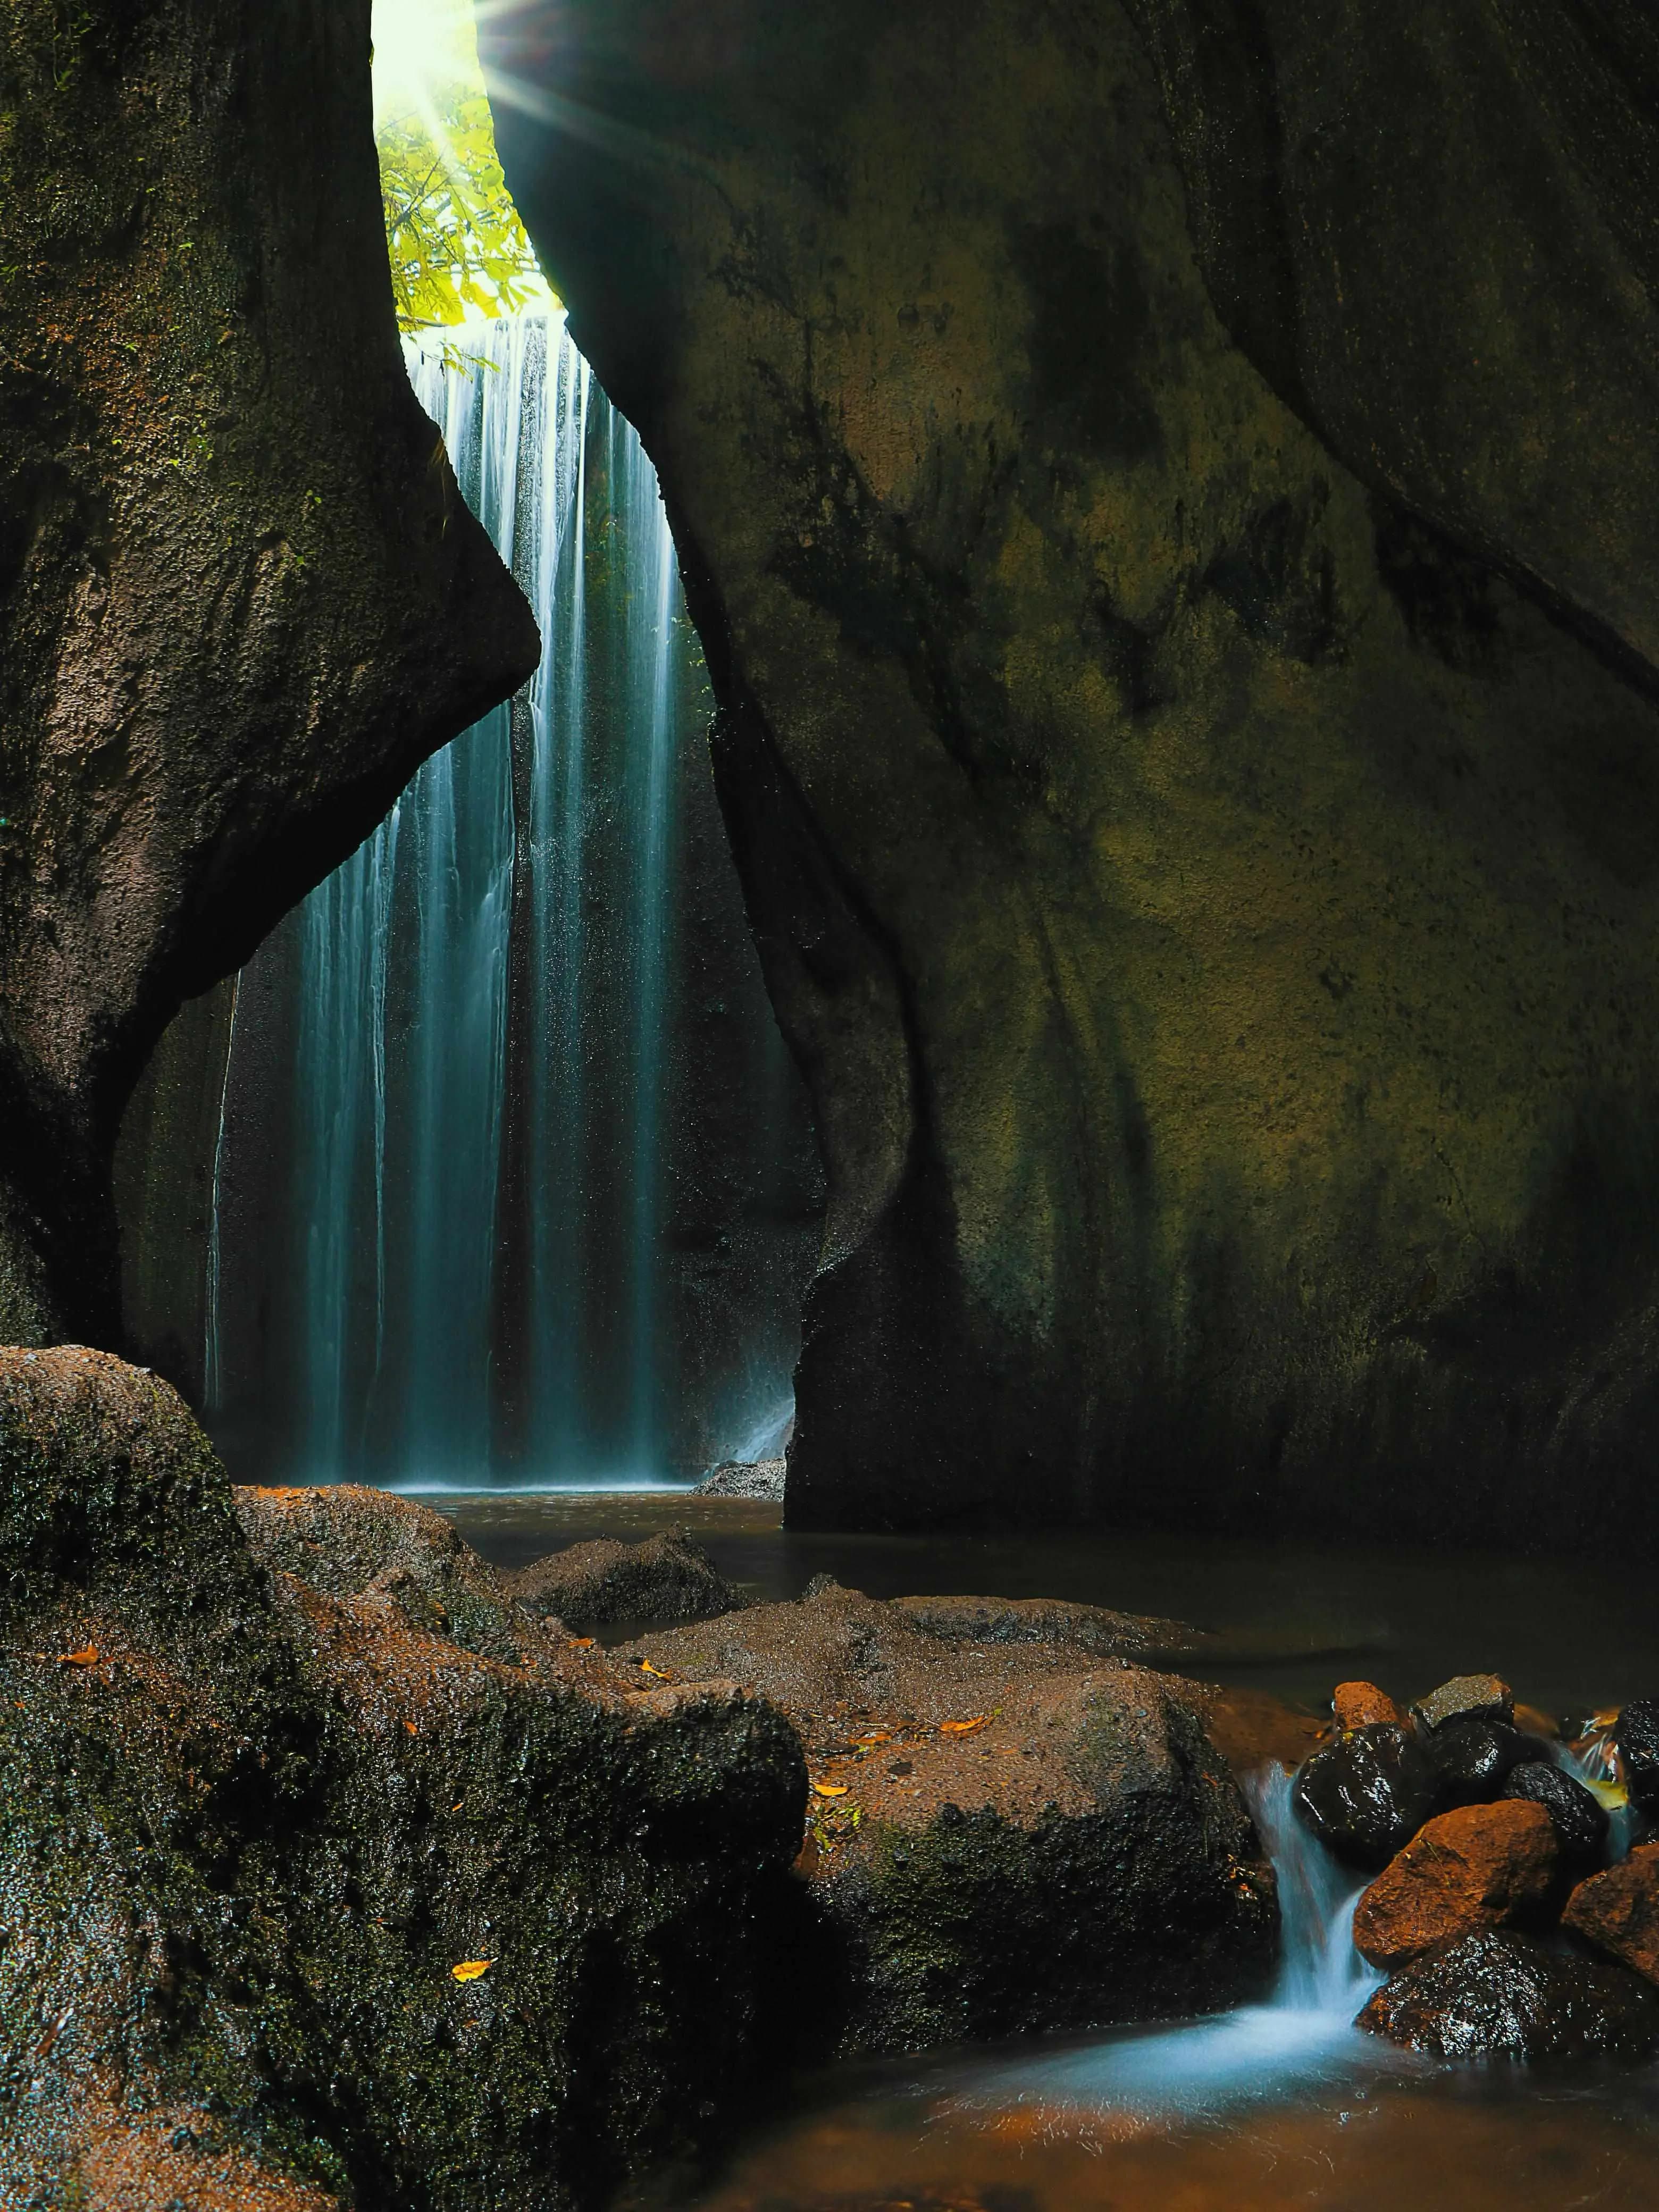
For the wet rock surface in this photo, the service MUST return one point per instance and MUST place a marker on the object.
(351, 1541)
(1369, 1794)
(1473, 1869)
(1362, 1704)
(1617, 1910)
(1501, 1995)
(760, 1479)
(1094, 1629)
(666, 1577)
(253, 1823)
(1472, 1758)
(1581, 1823)
(1636, 1735)
(1005, 1835)
(1466, 1698)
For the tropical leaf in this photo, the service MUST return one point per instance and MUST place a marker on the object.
(457, 248)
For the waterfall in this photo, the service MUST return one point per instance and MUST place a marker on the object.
(474, 1274)
(1300, 2040)
(1320, 1971)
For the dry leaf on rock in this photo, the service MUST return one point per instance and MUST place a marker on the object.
(472, 1970)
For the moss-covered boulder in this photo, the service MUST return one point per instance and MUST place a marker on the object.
(250, 1826)
(1008, 1832)
(1210, 886)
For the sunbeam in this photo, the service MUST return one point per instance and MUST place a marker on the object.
(420, 45)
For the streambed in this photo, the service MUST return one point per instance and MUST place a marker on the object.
(1279, 2105)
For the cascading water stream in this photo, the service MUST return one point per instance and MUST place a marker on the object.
(1301, 2037)
(489, 1000)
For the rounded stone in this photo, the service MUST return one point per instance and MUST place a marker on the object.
(1473, 1758)
(1499, 1994)
(1617, 1910)
(1368, 1796)
(1580, 1822)
(1472, 1868)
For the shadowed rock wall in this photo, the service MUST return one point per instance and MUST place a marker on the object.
(240, 599)
(1213, 902)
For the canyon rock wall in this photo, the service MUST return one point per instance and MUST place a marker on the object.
(240, 598)
(1188, 744)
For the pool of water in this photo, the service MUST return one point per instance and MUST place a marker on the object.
(1568, 1634)
(1278, 2104)
(1060, 2132)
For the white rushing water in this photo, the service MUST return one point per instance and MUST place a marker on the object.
(1301, 2039)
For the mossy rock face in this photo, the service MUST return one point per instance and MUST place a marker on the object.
(241, 598)
(1213, 896)
(248, 1830)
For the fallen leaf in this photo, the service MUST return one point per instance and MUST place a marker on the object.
(472, 1970)
(456, 1806)
(962, 1728)
(86, 1658)
(583, 1643)
(830, 1789)
(878, 1738)
(411, 1726)
(646, 1667)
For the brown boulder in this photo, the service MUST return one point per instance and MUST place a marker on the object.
(667, 1577)
(1362, 1704)
(1619, 1911)
(1006, 1835)
(1476, 1867)
(256, 1818)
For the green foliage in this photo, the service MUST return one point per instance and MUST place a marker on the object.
(454, 237)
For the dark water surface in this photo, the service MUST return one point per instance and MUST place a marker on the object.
(1570, 1635)
(1278, 2106)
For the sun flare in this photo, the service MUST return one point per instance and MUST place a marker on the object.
(420, 46)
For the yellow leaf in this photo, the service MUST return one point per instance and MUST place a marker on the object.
(646, 1667)
(830, 1789)
(87, 1657)
(962, 1728)
(472, 1970)
(581, 1643)
(411, 1726)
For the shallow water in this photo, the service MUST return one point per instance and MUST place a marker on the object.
(1355, 2141)
(1282, 2104)
(1570, 1635)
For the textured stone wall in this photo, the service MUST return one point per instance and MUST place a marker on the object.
(1211, 891)
(240, 599)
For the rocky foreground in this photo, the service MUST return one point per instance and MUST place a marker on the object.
(336, 1869)
(1508, 1910)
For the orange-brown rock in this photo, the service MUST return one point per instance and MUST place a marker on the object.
(1362, 1704)
(1619, 1911)
(1473, 1869)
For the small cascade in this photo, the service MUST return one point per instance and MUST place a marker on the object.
(493, 1153)
(1300, 2041)
(1320, 1971)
